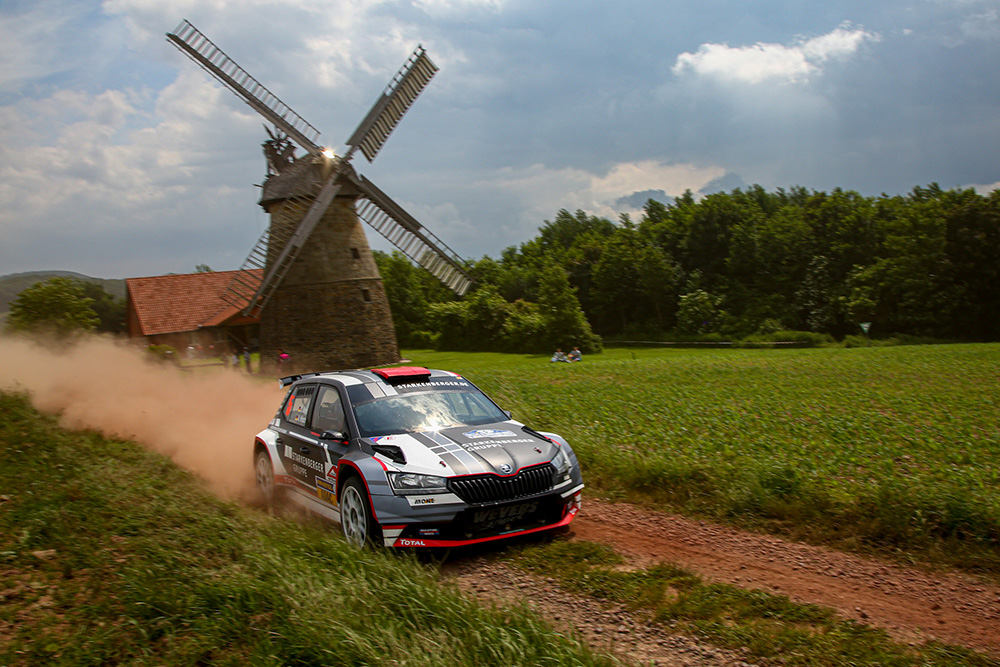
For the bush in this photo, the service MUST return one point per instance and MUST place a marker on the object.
(163, 353)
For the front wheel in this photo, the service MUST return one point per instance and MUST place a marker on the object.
(356, 515)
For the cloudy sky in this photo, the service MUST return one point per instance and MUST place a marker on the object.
(119, 157)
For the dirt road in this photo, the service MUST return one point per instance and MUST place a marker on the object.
(912, 605)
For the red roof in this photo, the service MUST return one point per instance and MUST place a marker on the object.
(182, 302)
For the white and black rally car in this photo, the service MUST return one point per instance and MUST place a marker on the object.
(411, 457)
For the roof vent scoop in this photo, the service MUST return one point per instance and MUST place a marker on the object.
(402, 374)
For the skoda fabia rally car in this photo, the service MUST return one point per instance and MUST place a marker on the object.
(411, 457)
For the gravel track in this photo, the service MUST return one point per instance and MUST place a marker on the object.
(911, 604)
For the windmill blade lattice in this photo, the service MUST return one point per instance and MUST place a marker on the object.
(397, 98)
(413, 239)
(203, 51)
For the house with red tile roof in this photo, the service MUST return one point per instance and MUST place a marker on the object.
(184, 310)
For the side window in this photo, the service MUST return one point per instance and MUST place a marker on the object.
(329, 413)
(297, 407)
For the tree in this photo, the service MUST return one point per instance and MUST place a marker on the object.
(564, 323)
(410, 290)
(109, 310)
(698, 312)
(203, 268)
(58, 305)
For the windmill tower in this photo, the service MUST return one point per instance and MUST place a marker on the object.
(311, 276)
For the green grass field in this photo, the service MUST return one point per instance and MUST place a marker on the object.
(891, 448)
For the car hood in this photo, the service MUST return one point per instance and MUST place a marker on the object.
(503, 448)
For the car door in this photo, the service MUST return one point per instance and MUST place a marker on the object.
(328, 423)
(301, 452)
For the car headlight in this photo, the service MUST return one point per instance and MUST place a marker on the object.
(408, 483)
(561, 462)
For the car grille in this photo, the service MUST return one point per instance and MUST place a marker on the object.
(492, 488)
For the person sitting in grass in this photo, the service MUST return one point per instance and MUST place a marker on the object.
(575, 354)
(558, 355)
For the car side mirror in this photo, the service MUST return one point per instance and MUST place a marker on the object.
(509, 415)
(333, 435)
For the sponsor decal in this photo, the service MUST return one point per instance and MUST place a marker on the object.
(332, 472)
(429, 532)
(383, 438)
(410, 543)
(478, 446)
(292, 455)
(490, 433)
(504, 514)
(424, 501)
(325, 491)
(486, 444)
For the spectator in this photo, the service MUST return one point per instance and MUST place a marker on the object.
(246, 359)
(575, 354)
(284, 362)
(558, 355)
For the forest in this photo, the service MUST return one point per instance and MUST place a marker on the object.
(729, 266)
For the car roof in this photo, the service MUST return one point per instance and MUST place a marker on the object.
(378, 376)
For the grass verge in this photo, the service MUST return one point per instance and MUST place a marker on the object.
(769, 628)
(112, 555)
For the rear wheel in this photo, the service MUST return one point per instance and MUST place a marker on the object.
(356, 515)
(264, 476)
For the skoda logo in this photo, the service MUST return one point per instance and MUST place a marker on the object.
(505, 468)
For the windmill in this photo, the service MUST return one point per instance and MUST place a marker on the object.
(311, 276)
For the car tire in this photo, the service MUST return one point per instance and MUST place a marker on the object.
(356, 518)
(263, 472)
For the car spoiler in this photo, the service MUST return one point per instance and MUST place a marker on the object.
(285, 381)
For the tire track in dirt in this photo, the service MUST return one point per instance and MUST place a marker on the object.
(912, 605)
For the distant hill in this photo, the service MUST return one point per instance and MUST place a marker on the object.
(13, 284)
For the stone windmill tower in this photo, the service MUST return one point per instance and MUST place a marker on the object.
(311, 276)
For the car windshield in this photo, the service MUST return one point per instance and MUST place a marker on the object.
(425, 411)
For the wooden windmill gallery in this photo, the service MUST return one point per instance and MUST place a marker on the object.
(311, 276)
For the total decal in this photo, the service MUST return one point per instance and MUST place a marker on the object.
(406, 542)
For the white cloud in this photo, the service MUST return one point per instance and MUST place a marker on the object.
(984, 190)
(30, 41)
(543, 191)
(762, 62)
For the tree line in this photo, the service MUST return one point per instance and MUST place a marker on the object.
(730, 265)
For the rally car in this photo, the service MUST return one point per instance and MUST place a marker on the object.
(411, 457)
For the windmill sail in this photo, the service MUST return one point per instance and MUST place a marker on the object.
(414, 240)
(397, 98)
(200, 49)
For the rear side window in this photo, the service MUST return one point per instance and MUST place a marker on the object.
(297, 406)
(329, 412)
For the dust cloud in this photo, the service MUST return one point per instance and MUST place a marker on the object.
(204, 420)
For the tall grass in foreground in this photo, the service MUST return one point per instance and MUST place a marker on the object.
(112, 555)
(893, 448)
